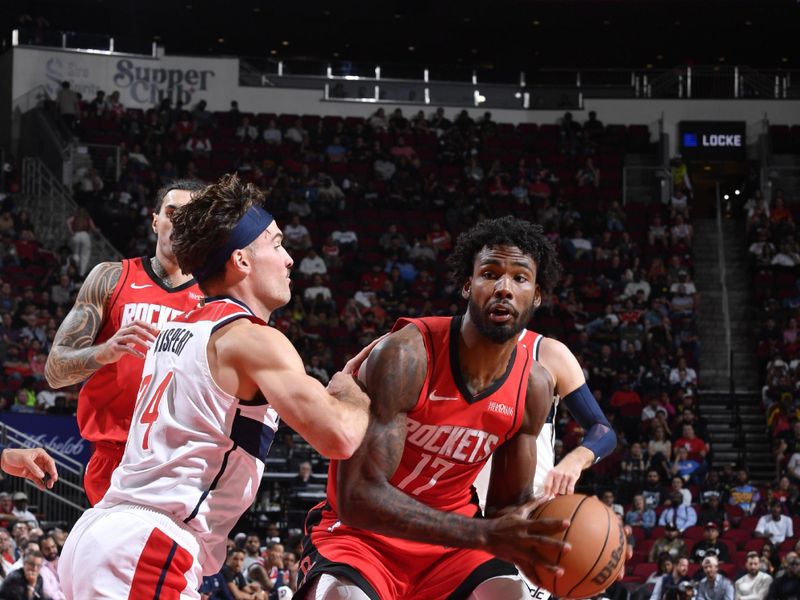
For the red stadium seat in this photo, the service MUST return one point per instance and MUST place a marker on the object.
(644, 570)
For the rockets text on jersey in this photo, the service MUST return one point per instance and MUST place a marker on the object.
(106, 400)
(462, 444)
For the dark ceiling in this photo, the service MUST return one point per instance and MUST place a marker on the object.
(515, 35)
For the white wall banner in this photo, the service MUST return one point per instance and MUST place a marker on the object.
(141, 82)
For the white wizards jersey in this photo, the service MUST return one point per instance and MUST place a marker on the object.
(194, 451)
(545, 442)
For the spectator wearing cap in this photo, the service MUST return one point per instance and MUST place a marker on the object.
(671, 543)
(754, 584)
(710, 545)
(714, 586)
(21, 511)
(776, 526)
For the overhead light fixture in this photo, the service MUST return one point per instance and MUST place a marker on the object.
(221, 40)
(737, 192)
(285, 43)
(726, 197)
(411, 48)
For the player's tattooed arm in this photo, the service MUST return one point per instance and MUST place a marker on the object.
(514, 463)
(73, 357)
(395, 374)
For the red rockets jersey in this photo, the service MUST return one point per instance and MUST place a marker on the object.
(451, 432)
(106, 401)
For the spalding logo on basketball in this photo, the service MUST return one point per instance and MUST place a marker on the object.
(598, 543)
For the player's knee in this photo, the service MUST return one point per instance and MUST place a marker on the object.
(508, 587)
(329, 587)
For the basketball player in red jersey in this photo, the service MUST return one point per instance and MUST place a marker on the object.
(103, 339)
(447, 393)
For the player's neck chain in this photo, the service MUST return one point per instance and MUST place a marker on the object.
(160, 271)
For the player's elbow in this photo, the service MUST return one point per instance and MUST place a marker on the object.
(51, 374)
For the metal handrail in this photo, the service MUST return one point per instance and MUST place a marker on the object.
(726, 316)
(723, 281)
(50, 204)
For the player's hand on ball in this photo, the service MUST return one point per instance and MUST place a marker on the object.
(518, 539)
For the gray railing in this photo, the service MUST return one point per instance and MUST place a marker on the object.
(67, 500)
(50, 204)
(723, 281)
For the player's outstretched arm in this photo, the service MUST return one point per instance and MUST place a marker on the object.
(332, 420)
(599, 440)
(394, 376)
(514, 463)
(34, 464)
(73, 357)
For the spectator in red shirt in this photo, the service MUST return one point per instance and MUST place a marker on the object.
(697, 447)
(626, 400)
(374, 278)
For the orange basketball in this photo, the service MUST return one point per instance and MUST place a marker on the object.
(598, 546)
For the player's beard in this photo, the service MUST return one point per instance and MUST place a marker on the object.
(494, 332)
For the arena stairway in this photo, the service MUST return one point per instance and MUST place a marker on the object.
(710, 318)
(735, 420)
(737, 432)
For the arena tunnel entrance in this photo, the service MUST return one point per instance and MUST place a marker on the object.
(731, 176)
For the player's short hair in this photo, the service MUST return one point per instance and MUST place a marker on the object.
(186, 185)
(506, 231)
(204, 224)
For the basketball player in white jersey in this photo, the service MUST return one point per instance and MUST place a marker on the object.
(598, 441)
(214, 384)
